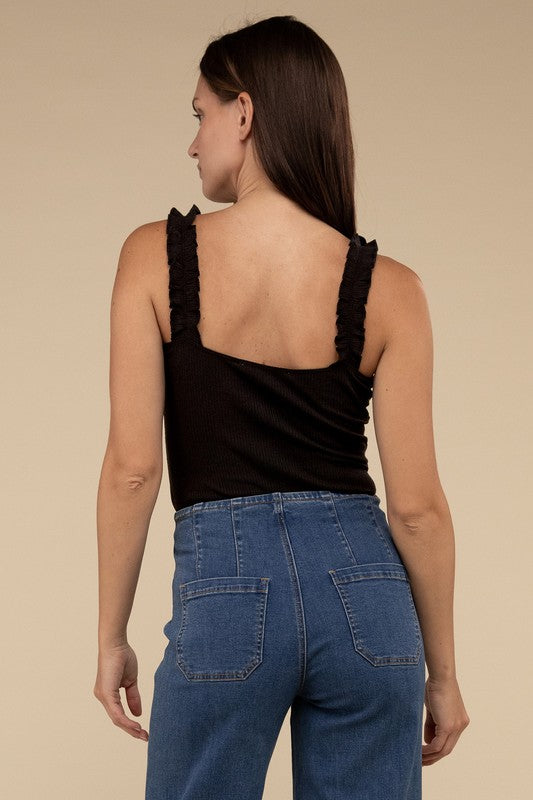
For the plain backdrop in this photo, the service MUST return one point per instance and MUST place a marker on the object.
(97, 120)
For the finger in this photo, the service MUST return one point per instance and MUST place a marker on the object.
(449, 744)
(436, 744)
(134, 699)
(428, 760)
(115, 710)
(429, 728)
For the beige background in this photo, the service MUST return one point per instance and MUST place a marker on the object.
(97, 121)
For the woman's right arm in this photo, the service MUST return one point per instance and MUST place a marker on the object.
(417, 510)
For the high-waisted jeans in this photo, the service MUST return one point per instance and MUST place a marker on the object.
(285, 600)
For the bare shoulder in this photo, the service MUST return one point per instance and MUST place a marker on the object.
(143, 252)
(147, 234)
(396, 290)
(391, 275)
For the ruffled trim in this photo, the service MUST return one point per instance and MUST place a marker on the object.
(184, 281)
(353, 294)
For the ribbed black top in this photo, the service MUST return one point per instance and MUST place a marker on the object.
(235, 427)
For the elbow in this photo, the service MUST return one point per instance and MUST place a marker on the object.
(413, 523)
(133, 477)
(136, 482)
(423, 517)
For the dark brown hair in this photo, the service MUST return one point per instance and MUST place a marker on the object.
(301, 127)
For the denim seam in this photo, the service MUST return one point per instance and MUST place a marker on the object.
(217, 505)
(297, 595)
(372, 509)
(378, 573)
(235, 518)
(187, 592)
(340, 530)
(196, 533)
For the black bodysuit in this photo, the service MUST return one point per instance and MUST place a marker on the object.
(235, 427)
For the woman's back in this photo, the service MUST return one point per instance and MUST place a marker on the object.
(274, 422)
(269, 288)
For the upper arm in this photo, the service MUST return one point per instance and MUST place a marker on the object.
(402, 398)
(136, 371)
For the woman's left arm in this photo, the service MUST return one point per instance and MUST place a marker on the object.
(132, 467)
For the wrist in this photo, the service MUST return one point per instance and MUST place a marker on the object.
(442, 667)
(442, 677)
(107, 641)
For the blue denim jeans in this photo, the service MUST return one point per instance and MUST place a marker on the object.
(285, 600)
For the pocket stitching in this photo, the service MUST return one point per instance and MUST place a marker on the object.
(358, 573)
(260, 587)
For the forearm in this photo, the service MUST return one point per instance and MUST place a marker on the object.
(427, 548)
(124, 509)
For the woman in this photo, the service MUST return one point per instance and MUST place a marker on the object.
(292, 589)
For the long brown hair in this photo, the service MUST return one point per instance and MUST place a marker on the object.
(301, 126)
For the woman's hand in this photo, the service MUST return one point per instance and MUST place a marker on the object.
(446, 718)
(117, 666)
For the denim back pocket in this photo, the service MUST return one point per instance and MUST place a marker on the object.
(222, 627)
(381, 612)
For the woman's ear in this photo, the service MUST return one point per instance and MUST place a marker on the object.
(245, 110)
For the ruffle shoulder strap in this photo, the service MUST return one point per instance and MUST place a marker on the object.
(353, 294)
(184, 283)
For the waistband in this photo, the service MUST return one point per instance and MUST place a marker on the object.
(275, 498)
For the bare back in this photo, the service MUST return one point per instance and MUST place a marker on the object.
(268, 293)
